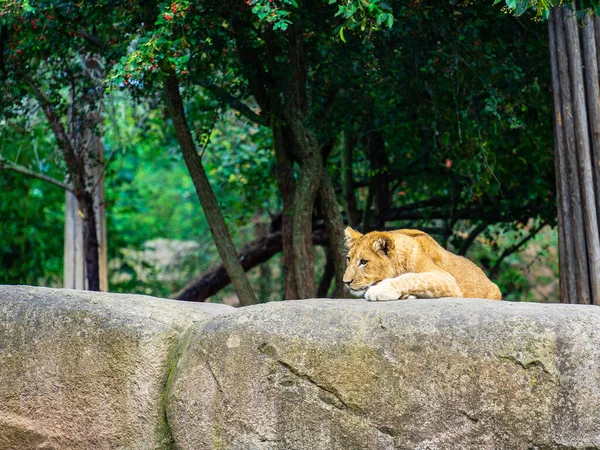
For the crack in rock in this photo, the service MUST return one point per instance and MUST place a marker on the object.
(469, 416)
(337, 401)
(529, 365)
(215, 379)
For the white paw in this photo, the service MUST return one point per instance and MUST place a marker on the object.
(382, 292)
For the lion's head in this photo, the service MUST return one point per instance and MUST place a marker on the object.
(368, 260)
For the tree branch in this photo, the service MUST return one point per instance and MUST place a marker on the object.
(206, 195)
(417, 211)
(471, 238)
(74, 164)
(514, 248)
(94, 40)
(251, 255)
(234, 102)
(251, 64)
(7, 165)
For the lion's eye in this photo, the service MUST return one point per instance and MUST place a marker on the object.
(363, 262)
(347, 259)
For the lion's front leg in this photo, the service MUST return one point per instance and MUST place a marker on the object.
(434, 284)
(386, 290)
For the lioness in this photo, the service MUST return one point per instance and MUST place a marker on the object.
(405, 264)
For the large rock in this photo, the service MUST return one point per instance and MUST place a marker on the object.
(416, 374)
(81, 370)
(88, 370)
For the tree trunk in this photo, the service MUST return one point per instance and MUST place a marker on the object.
(348, 181)
(287, 187)
(311, 164)
(209, 203)
(304, 200)
(81, 263)
(90, 237)
(265, 274)
(75, 159)
(328, 275)
(76, 247)
(379, 178)
(576, 134)
(334, 224)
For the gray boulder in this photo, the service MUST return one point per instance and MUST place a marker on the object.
(82, 370)
(416, 374)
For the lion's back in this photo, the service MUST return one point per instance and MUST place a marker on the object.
(473, 282)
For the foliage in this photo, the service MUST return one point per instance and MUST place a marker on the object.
(456, 94)
(31, 211)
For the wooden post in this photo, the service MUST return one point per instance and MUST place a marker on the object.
(581, 101)
(576, 95)
(74, 260)
(74, 249)
(568, 292)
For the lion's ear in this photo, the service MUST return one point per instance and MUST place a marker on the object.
(351, 237)
(383, 245)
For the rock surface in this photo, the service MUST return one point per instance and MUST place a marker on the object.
(416, 374)
(89, 370)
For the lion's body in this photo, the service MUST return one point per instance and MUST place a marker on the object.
(410, 263)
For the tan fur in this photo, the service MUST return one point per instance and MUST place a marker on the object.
(407, 264)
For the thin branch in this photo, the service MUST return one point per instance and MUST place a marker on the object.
(7, 165)
(470, 211)
(515, 248)
(94, 40)
(210, 131)
(471, 237)
(74, 164)
(235, 103)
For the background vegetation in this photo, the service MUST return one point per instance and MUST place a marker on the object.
(423, 115)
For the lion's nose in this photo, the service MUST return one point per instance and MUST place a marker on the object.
(348, 282)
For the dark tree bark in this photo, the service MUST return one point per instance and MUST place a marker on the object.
(310, 160)
(334, 224)
(326, 278)
(348, 144)
(287, 187)
(209, 203)
(380, 178)
(466, 244)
